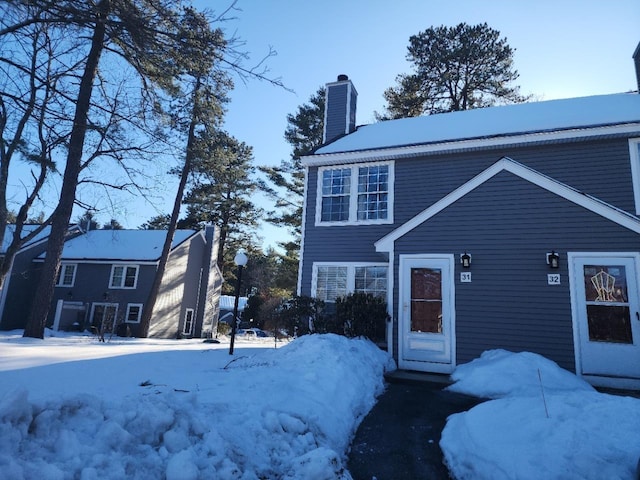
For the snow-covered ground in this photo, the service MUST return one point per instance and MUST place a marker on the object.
(71, 407)
(544, 422)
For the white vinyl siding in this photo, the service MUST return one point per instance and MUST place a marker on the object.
(355, 194)
(331, 281)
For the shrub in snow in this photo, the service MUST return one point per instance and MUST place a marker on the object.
(362, 314)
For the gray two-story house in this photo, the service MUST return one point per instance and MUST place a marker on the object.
(105, 278)
(514, 227)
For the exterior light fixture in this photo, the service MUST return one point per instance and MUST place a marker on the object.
(553, 259)
(465, 260)
(240, 260)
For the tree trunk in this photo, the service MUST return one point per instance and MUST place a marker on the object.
(147, 311)
(42, 302)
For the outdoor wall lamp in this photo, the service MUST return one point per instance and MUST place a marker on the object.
(465, 260)
(240, 260)
(553, 259)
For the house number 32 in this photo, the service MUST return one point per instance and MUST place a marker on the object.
(553, 278)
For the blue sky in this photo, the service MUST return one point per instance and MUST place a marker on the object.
(563, 48)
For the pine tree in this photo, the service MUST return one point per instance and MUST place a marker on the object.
(286, 182)
(142, 33)
(455, 68)
(222, 188)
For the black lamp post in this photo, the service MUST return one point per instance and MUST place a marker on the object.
(240, 260)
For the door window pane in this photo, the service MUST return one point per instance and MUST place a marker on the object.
(607, 302)
(426, 300)
(609, 323)
(605, 283)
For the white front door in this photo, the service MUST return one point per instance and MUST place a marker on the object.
(426, 313)
(606, 313)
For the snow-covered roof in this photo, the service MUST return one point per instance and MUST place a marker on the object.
(26, 230)
(122, 245)
(524, 118)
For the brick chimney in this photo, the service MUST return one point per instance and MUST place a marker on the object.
(636, 60)
(340, 109)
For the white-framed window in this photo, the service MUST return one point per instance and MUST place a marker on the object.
(355, 194)
(187, 329)
(134, 313)
(124, 276)
(634, 155)
(333, 280)
(66, 276)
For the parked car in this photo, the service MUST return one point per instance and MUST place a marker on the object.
(251, 333)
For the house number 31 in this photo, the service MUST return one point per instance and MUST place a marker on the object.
(553, 278)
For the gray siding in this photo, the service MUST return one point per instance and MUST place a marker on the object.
(92, 286)
(20, 284)
(336, 118)
(598, 167)
(508, 225)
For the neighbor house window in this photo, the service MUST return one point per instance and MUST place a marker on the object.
(355, 194)
(66, 275)
(333, 281)
(134, 313)
(188, 322)
(123, 276)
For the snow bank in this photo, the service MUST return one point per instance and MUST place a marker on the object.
(499, 373)
(285, 413)
(572, 432)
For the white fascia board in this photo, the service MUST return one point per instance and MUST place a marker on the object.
(303, 230)
(454, 145)
(622, 218)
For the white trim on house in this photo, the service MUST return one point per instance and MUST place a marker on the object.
(622, 218)
(303, 226)
(449, 290)
(129, 305)
(353, 195)
(191, 321)
(382, 154)
(634, 156)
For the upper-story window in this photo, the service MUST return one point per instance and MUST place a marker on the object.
(66, 275)
(355, 194)
(124, 276)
